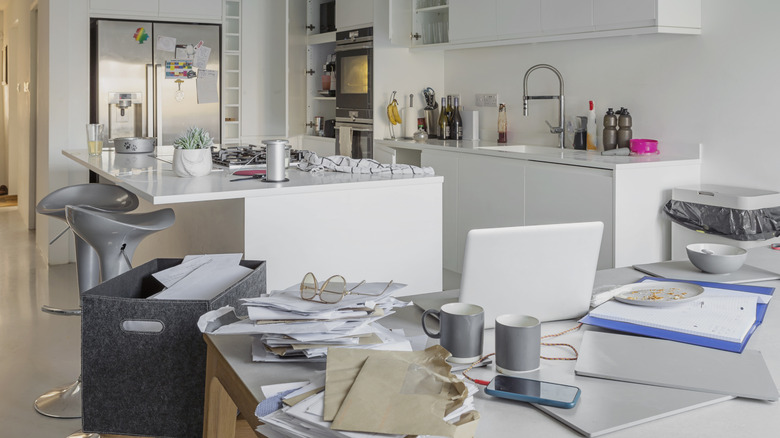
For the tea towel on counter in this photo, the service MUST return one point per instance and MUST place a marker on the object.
(339, 163)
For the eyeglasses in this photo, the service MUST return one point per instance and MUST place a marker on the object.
(332, 291)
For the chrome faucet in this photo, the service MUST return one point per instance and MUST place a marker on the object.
(553, 129)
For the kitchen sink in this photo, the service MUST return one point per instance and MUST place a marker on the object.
(524, 149)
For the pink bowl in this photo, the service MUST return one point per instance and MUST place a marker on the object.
(644, 146)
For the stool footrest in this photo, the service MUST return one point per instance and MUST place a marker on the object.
(59, 311)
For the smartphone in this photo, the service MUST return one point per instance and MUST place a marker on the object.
(534, 391)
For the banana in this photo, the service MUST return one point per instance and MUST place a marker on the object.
(392, 113)
(396, 115)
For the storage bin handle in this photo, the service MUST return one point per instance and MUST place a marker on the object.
(143, 326)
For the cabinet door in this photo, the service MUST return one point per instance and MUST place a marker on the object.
(518, 18)
(567, 16)
(490, 194)
(472, 21)
(446, 164)
(354, 14)
(623, 14)
(557, 194)
(137, 8)
(199, 9)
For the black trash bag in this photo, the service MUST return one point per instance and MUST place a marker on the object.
(761, 224)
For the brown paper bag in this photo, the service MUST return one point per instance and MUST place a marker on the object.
(395, 392)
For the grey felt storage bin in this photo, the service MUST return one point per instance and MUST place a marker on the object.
(149, 383)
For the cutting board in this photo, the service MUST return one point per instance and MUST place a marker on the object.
(684, 270)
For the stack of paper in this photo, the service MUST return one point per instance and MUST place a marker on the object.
(200, 277)
(288, 328)
(361, 387)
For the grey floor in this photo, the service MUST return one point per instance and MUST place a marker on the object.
(37, 351)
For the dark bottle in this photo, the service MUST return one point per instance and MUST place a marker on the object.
(449, 109)
(444, 124)
(456, 124)
(502, 123)
(610, 130)
(624, 133)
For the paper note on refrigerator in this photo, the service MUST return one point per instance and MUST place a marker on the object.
(201, 57)
(207, 86)
(166, 44)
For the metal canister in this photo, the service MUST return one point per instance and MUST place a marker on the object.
(276, 160)
(432, 122)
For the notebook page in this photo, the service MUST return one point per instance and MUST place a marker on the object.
(727, 318)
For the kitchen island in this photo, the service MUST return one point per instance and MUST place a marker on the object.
(371, 227)
(487, 184)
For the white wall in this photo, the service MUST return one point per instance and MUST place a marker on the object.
(718, 88)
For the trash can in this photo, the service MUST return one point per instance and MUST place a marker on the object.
(738, 216)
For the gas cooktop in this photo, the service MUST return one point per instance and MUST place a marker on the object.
(246, 155)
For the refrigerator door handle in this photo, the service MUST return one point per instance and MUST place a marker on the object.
(150, 99)
(158, 128)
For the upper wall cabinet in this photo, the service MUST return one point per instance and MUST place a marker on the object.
(354, 14)
(176, 10)
(491, 22)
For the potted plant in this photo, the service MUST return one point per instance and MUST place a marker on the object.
(192, 153)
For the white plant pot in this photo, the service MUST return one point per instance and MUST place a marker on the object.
(192, 162)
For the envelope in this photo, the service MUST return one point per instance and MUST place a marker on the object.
(392, 392)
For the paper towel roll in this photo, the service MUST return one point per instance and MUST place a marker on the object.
(409, 120)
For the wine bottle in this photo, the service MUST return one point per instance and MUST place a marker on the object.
(449, 109)
(444, 125)
(456, 125)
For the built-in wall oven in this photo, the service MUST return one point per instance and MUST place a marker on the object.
(354, 93)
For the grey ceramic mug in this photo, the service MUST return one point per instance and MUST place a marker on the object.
(518, 343)
(461, 330)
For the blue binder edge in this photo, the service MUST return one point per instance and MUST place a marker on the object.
(671, 335)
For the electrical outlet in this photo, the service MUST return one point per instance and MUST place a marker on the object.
(490, 100)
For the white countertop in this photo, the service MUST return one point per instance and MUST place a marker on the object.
(153, 179)
(677, 155)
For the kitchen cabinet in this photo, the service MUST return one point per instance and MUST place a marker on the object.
(173, 10)
(567, 16)
(501, 22)
(680, 16)
(320, 47)
(472, 21)
(559, 194)
(494, 188)
(446, 164)
(231, 73)
(518, 18)
(419, 23)
(197, 9)
(354, 14)
(491, 193)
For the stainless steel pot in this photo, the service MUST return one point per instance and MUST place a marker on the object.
(134, 145)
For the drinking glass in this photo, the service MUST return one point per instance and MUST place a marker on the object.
(95, 138)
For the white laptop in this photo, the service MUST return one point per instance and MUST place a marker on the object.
(545, 271)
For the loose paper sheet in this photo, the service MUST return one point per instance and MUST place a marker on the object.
(207, 86)
(166, 44)
(201, 57)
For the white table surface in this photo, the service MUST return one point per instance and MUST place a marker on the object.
(152, 179)
(503, 418)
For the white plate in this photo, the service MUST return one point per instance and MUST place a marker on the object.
(659, 294)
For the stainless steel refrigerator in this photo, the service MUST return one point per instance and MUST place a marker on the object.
(155, 79)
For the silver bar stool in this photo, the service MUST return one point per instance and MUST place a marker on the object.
(115, 236)
(65, 401)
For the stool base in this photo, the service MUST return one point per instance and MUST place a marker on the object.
(62, 402)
